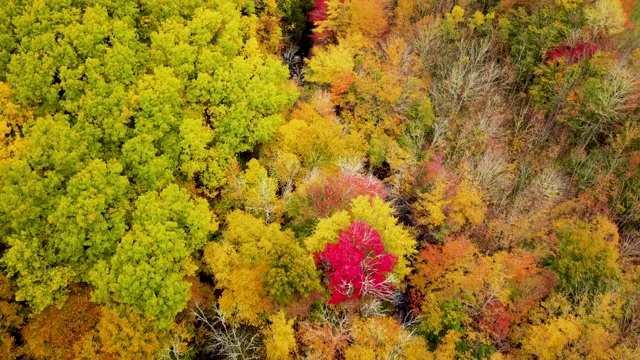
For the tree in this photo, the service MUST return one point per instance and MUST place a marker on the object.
(450, 205)
(330, 63)
(395, 239)
(256, 264)
(457, 288)
(586, 261)
(129, 97)
(148, 268)
(354, 18)
(12, 119)
(280, 339)
(357, 265)
(121, 333)
(606, 16)
(320, 198)
(55, 332)
(318, 141)
(383, 338)
(560, 328)
(254, 191)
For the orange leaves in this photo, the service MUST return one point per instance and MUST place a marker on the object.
(323, 340)
(341, 84)
(435, 260)
(365, 19)
(53, 333)
(124, 334)
(496, 290)
(448, 269)
(628, 6)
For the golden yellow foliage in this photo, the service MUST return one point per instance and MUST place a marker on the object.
(268, 29)
(546, 341)
(569, 4)
(606, 16)
(12, 118)
(121, 333)
(327, 64)
(384, 338)
(456, 15)
(439, 207)
(327, 231)
(244, 298)
(409, 12)
(367, 17)
(561, 329)
(255, 264)
(358, 22)
(587, 260)
(280, 341)
(317, 141)
(447, 350)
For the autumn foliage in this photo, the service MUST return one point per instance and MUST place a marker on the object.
(574, 53)
(357, 265)
(319, 179)
(336, 192)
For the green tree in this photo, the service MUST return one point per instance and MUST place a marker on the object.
(149, 265)
(587, 259)
(264, 260)
(130, 97)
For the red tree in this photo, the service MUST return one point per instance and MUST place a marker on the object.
(319, 12)
(357, 264)
(318, 15)
(573, 54)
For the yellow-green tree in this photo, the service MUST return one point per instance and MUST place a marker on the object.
(256, 265)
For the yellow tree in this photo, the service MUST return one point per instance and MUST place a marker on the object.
(280, 341)
(256, 265)
(384, 338)
(450, 205)
(254, 191)
(121, 333)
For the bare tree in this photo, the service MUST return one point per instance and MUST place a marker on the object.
(234, 342)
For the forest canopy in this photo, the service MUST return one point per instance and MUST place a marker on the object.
(319, 179)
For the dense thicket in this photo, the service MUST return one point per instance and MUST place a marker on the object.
(436, 180)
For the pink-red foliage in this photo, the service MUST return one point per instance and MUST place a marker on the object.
(357, 264)
(336, 192)
(319, 12)
(573, 54)
(318, 15)
(496, 318)
(433, 167)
